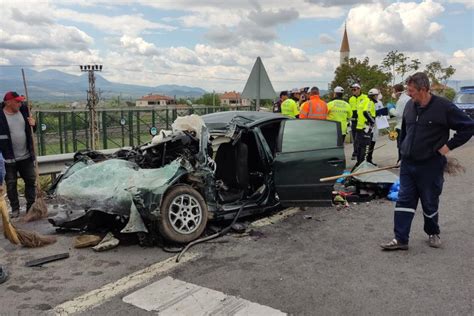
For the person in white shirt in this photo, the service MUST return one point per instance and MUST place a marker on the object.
(402, 99)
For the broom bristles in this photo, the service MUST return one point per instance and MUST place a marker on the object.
(454, 167)
(38, 209)
(34, 240)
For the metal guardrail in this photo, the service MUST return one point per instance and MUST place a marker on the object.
(66, 131)
(53, 164)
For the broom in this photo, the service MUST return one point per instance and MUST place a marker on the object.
(20, 236)
(38, 209)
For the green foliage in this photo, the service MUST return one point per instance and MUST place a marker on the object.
(360, 71)
(399, 65)
(437, 73)
(209, 99)
(446, 92)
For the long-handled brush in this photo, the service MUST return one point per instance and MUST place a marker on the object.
(20, 236)
(38, 209)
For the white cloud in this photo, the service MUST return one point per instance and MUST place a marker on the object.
(122, 24)
(463, 61)
(405, 26)
(138, 45)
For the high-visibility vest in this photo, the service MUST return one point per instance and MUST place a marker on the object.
(369, 106)
(355, 101)
(340, 111)
(289, 108)
(314, 109)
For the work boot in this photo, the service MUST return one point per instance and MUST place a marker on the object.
(434, 241)
(394, 245)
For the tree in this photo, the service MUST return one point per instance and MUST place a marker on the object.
(209, 99)
(396, 63)
(361, 72)
(438, 74)
(414, 65)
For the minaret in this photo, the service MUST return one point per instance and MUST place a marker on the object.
(344, 52)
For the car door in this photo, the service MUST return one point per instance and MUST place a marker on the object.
(307, 151)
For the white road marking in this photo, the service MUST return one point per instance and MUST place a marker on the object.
(275, 218)
(171, 297)
(99, 296)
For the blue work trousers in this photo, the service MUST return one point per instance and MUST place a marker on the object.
(419, 181)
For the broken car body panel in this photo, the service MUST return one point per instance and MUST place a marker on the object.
(235, 155)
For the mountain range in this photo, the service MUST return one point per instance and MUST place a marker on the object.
(57, 86)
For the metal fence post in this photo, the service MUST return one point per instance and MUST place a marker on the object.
(130, 128)
(104, 129)
(87, 129)
(138, 127)
(65, 129)
(123, 128)
(60, 130)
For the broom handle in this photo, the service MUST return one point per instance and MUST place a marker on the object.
(31, 127)
(357, 173)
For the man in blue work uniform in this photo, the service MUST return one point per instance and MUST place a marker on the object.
(424, 143)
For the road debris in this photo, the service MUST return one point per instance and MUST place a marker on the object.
(41, 261)
(107, 243)
(84, 241)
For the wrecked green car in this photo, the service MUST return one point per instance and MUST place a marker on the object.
(203, 171)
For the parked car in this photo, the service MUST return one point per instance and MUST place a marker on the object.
(464, 99)
(262, 160)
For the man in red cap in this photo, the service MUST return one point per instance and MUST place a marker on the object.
(16, 145)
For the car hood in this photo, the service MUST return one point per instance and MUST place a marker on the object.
(117, 187)
(465, 106)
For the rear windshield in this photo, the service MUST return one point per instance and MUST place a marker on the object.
(464, 98)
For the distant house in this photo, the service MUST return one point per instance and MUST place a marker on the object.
(155, 100)
(233, 98)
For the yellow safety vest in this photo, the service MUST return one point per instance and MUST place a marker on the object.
(369, 106)
(353, 101)
(340, 111)
(289, 108)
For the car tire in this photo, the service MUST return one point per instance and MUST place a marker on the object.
(183, 215)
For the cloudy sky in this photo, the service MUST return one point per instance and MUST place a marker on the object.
(213, 44)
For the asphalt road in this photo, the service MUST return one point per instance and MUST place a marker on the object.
(330, 264)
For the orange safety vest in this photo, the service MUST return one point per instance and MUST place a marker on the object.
(314, 109)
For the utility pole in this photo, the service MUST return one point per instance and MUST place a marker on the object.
(92, 100)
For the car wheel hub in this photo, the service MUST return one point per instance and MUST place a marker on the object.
(185, 214)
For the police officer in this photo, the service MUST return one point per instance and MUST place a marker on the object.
(339, 111)
(277, 103)
(357, 98)
(289, 107)
(364, 128)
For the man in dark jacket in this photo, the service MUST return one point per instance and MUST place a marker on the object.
(424, 144)
(16, 145)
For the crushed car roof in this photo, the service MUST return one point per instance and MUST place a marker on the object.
(222, 119)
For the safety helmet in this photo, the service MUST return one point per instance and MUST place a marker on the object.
(373, 91)
(338, 89)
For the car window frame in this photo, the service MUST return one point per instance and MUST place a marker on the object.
(282, 131)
